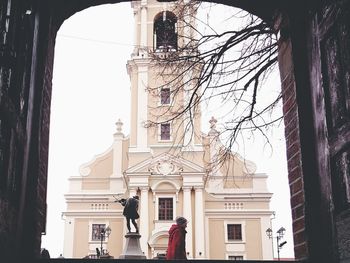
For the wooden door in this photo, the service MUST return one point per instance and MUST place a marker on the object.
(330, 79)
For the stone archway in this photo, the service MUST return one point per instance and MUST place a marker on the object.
(26, 74)
(158, 243)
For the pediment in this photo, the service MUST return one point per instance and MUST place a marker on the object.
(166, 164)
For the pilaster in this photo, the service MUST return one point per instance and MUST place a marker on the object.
(187, 213)
(142, 107)
(143, 36)
(68, 246)
(144, 221)
(118, 150)
(199, 226)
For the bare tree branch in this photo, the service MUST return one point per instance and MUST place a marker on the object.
(220, 67)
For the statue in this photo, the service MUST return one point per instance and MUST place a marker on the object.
(131, 206)
(132, 248)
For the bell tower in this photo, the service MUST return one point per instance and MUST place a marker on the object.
(157, 28)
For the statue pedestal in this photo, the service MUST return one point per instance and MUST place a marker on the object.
(132, 248)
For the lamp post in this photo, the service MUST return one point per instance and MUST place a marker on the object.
(104, 232)
(280, 233)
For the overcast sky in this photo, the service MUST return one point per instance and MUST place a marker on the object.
(91, 91)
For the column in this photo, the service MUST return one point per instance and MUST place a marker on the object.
(136, 44)
(142, 108)
(267, 248)
(188, 30)
(132, 192)
(143, 36)
(68, 246)
(188, 122)
(199, 225)
(144, 223)
(117, 151)
(187, 213)
(190, 115)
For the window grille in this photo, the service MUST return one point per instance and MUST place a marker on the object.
(165, 131)
(165, 96)
(235, 257)
(234, 232)
(96, 231)
(165, 209)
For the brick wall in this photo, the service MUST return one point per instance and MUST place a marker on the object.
(295, 174)
(44, 127)
(44, 132)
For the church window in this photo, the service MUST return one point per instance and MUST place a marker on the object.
(165, 32)
(165, 96)
(165, 209)
(234, 232)
(165, 131)
(96, 231)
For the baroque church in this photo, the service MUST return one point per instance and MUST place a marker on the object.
(227, 206)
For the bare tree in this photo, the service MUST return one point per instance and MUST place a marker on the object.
(220, 67)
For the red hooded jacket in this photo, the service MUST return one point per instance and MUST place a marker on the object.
(176, 244)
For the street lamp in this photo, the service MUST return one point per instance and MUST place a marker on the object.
(104, 232)
(280, 233)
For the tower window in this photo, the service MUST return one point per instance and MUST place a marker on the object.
(165, 209)
(165, 35)
(165, 96)
(165, 131)
(234, 232)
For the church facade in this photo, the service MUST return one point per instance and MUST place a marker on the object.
(172, 168)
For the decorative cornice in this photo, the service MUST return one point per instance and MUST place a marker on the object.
(85, 169)
(166, 163)
(239, 213)
(92, 213)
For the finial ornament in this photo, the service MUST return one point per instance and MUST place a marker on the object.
(213, 122)
(119, 125)
(213, 131)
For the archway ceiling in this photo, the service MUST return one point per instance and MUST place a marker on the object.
(265, 9)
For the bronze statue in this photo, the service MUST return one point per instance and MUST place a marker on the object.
(131, 206)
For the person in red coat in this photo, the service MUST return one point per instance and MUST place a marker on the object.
(177, 237)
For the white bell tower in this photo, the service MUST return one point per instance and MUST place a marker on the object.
(156, 30)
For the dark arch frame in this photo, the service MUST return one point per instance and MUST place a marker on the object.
(28, 128)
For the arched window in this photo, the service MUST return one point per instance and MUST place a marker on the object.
(165, 31)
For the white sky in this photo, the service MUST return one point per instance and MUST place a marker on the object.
(91, 90)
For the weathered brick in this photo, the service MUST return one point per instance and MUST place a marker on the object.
(288, 102)
(300, 251)
(291, 118)
(294, 174)
(293, 149)
(298, 211)
(297, 199)
(293, 162)
(299, 239)
(296, 186)
(298, 225)
(285, 58)
(293, 136)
